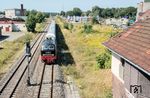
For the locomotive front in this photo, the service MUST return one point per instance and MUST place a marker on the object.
(49, 47)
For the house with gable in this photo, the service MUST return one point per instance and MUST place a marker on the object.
(131, 60)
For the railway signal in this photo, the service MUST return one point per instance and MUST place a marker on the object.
(28, 54)
(28, 49)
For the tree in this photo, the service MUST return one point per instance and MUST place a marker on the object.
(70, 13)
(46, 14)
(31, 23)
(27, 13)
(131, 11)
(96, 11)
(88, 13)
(39, 17)
(62, 13)
(34, 12)
(77, 11)
(113, 12)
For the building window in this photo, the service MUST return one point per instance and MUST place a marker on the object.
(121, 68)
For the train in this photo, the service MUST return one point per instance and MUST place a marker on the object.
(49, 45)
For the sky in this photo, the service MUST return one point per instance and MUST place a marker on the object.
(65, 5)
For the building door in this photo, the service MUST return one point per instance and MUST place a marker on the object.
(7, 29)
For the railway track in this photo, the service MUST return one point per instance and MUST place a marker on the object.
(10, 83)
(41, 82)
(46, 81)
(46, 84)
(50, 85)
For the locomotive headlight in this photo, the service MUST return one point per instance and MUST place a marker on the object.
(42, 47)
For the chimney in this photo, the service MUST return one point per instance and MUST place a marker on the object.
(22, 10)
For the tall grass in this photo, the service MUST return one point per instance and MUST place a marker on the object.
(85, 48)
(10, 49)
(40, 27)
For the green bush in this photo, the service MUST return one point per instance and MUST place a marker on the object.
(87, 28)
(113, 34)
(109, 95)
(94, 20)
(39, 27)
(104, 60)
(70, 26)
(28, 37)
(66, 25)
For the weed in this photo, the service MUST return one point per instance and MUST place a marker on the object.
(85, 45)
(103, 60)
(66, 26)
(40, 27)
(87, 28)
(10, 49)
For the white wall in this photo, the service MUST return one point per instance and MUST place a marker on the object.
(115, 65)
(14, 27)
(19, 27)
(146, 6)
(6, 25)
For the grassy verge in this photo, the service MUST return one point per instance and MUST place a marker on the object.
(11, 51)
(40, 27)
(84, 48)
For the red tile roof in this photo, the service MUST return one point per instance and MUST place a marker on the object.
(134, 44)
(5, 20)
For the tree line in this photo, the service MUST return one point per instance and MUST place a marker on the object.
(129, 12)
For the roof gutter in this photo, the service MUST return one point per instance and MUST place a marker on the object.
(135, 65)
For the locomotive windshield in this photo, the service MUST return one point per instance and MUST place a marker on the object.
(47, 45)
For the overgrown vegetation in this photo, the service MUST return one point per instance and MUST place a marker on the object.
(39, 27)
(87, 28)
(103, 60)
(68, 26)
(33, 18)
(88, 52)
(94, 20)
(10, 50)
(113, 34)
